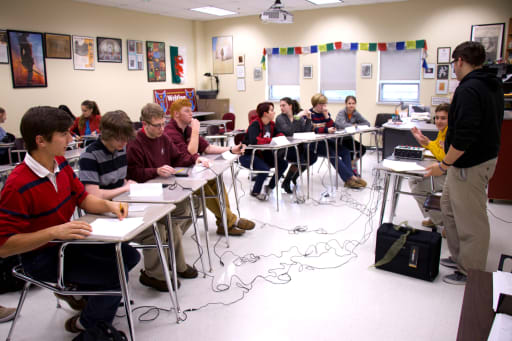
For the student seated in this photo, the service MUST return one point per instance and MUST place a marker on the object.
(150, 155)
(261, 131)
(424, 186)
(183, 131)
(323, 123)
(294, 120)
(349, 117)
(89, 122)
(36, 205)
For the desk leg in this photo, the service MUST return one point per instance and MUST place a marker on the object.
(361, 154)
(205, 220)
(336, 158)
(196, 232)
(276, 172)
(18, 309)
(384, 197)
(165, 268)
(172, 258)
(329, 161)
(124, 290)
(299, 166)
(394, 197)
(308, 158)
(233, 179)
(222, 205)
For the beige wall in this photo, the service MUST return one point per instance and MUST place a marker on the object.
(110, 84)
(440, 22)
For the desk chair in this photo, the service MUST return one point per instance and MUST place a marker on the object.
(502, 261)
(214, 134)
(19, 151)
(230, 126)
(380, 119)
(253, 114)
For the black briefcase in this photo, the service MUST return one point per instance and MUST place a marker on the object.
(408, 251)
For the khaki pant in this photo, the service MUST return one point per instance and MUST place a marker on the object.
(424, 186)
(213, 204)
(464, 208)
(152, 264)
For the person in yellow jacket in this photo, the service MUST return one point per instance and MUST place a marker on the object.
(424, 186)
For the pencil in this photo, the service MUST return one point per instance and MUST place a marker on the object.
(121, 207)
(181, 170)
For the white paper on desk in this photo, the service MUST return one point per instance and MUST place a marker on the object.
(227, 155)
(350, 129)
(280, 141)
(146, 190)
(501, 328)
(501, 284)
(113, 227)
(304, 136)
(428, 153)
(363, 127)
(137, 207)
(402, 166)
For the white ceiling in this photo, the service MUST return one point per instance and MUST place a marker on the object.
(181, 8)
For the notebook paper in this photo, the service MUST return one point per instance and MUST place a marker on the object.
(113, 227)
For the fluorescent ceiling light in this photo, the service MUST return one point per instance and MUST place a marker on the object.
(213, 10)
(324, 2)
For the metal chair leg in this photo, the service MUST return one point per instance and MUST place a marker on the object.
(124, 290)
(18, 309)
(196, 232)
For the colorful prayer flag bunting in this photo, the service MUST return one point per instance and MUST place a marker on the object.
(283, 50)
(314, 48)
(354, 46)
(363, 46)
(400, 45)
(337, 45)
(372, 47)
(382, 46)
(330, 47)
(291, 50)
(410, 44)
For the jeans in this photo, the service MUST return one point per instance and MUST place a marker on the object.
(349, 142)
(344, 166)
(292, 154)
(264, 163)
(89, 267)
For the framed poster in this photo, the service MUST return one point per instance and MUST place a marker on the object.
(135, 50)
(366, 70)
(491, 37)
(156, 61)
(26, 52)
(429, 72)
(57, 45)
(441, 87)
(83, 53)
(241, 59)
(4, 53)
(442, 71)
(258, 73)
(109, 50)
(443, 54)
(222, 51)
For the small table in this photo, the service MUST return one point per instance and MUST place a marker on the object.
(400, 134)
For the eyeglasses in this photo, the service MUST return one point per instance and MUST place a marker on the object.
(158, 126)
(453, 61)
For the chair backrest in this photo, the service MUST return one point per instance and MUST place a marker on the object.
(239, 138)
(19, 144)
(253, 114)
(229, 116)
(212, 130)
(381, 119)
(137, 125)
(502, 261)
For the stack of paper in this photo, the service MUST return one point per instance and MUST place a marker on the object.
(350, 130)
(146, 190)
(363, 127)
(304, 136)
(113, 228)
(402, 166)
(501, 284)
(227, 155)
(280, 141)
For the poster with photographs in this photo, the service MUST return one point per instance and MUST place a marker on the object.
(135, 54)
(57, 46)
(27, 59)
(222, 51)
(110, 50)
(443, 71)
(4, 56)
(491, 37)
(429, 72)
(83, 53)
(156, 61)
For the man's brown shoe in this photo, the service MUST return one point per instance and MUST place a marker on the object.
(6, 314)
(351, 183)
(232, 231)
(190, 272)
(361, 182)
(245, 224)
(74, 303)
(428, 223)
(154, 283)
(71, 326)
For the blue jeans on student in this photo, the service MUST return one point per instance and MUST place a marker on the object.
(264, 164)
(89, 267)
(344, 167)
(292, 154)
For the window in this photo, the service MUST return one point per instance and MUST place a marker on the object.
(283, 77)
(399, 76)
(338, 74)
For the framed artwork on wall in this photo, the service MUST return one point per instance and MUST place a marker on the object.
(83, 53)
(222, 51)
(258, 73)
(4, 53)
(241, 59)
(135, 50)
(155, 51)
(429, 72)
(491, 37)
(307, 71)
(442, 87)
(366, 70)
(443, 54)
(57, 45)
(442, 71)
(28, 65)
(109, 50)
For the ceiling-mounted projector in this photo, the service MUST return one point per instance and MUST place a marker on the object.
(276, 14)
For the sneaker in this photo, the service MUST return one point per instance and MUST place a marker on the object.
(260, 196)
(190, 272)
(73, 302)
(154, 283)
(361, 182)
(428, 223)
(245, 224)
(232, 231)
(351, 183)
(71, 325)
(448, 262)
(6, 314)
(457, 278)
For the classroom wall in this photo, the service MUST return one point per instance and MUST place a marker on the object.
(110, 84)
(440, 22)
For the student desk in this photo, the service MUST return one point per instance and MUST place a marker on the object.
(171, 196)
(8, 146)
(397, 178)
(400, 134)
(202, 113)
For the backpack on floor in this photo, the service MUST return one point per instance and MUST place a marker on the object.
(102, 331)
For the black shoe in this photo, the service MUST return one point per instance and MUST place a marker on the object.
(75, 304)
(190, 272)
(286, 182)
(154, 283)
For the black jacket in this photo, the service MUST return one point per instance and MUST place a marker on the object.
(475, 117)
